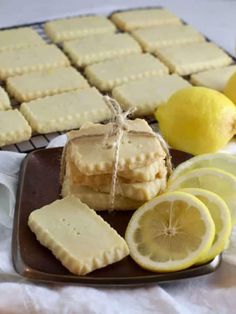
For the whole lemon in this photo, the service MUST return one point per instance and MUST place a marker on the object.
(197, 120)
(230, 88)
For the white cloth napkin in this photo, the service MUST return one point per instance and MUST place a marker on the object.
(214, 293)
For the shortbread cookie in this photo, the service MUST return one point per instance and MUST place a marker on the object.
(147, 93)
(98, 200)
(214, 78)
(92, 49)
(65, 111)
(13, 127)
(31, 59)
(153, 37)
(191, 58)
(77, 27)
(18, 38)
(138, 148)
(108, 74)
(73, 232)
(35, 85)
(129, 20)
(4, 100)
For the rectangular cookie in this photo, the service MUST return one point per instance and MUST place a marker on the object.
(31, 59)
(35, 85)
(65, 111)
(153, 37)
(13, 127)
(138, 18)
(4, 100)
(92, 49)
(62, 227)
(77, 27)
(147, 93)
(214, 78)
(18, 38)
(108, 74)
(191, 58)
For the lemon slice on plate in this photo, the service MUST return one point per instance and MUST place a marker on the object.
(222, 219)
(212, 179)
(170, 232)
(222, 161)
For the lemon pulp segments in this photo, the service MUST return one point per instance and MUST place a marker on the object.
(221, 161)
(221, 216)
(170, 232)
(212, 179)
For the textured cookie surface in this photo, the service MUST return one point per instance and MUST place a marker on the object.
(4, 100)
(153, 37)
(13, 127)
(147, 93)
(129, 20)
(31, 59)
(77, 236)
(108, 74)
(70, 28)
(18, 38)
(65, 111)
(97, 48)
(214, 78)
(191, 58)
(34, 85)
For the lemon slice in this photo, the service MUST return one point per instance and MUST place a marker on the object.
(212, 179)
(170, 232)
(221, 216)
(222, 161)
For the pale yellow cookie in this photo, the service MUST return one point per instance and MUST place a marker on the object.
(18, 38)
(35, 85)
(129, 20)
(4, 100)
(13, 127)
(214, 78)
(191, 58)
(65, 111)
(153, 37)
(77, 236)
(31, 59)
(92, 49)
(77, 27)
(108, 74)
(98, 200)
(136, 150)
(147, 93)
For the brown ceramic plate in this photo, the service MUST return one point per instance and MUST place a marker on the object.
(39, 185)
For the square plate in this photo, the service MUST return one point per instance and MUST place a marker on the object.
(39, 185)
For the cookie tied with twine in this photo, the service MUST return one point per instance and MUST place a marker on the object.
(112, 139)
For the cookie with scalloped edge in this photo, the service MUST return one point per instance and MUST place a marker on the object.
(92, 49)
(62, 227)
(153, 37)
(35, 85)
(4, 100)
(65, 111)
(108, 74)
(214, 78)
(139, 147)
(148, 93)
(98, 200)
(191, 58)
(19, 38)
(139, 18)
(77, 27)
(13, 127)
(29, 59)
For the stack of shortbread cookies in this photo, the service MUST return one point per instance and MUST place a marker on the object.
(88, 165)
